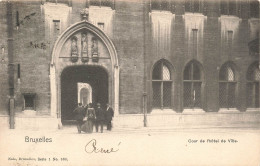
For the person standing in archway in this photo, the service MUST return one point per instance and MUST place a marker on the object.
(91, 115)
(100, 118)
(109, 116)
(80, 114)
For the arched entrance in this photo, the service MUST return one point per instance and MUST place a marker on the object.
(72, 64)
(71, 77)
(84, 93)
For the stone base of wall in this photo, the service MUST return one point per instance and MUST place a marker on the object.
(250, 119)
(30, 123)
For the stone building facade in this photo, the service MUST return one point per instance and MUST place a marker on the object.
(168, 57)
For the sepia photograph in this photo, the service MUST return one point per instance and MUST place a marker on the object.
(129, 82)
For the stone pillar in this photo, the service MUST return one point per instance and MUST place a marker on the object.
(116, 90)
(10, 62)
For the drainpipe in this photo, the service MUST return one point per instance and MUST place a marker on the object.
(10, 63)
(145, 89)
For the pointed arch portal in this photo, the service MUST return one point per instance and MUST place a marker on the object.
(66, 73)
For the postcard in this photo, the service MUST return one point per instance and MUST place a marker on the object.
(129, 82)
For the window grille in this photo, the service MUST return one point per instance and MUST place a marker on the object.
(29, 101)
(192, 86)
(162, 85)
(227, 87)
(253, 77)
(166, 73)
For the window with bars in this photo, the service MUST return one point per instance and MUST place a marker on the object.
(253, 78)
(192, 86)
(227, 87)
(230, 7)
(107, 3)
(162, 85)
(29, 101)
(166, 5)
(194, 6)
(254, 8)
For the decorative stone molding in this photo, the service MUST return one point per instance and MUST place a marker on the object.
(94, 50)
(74, 49)
(84, 47)
(84, 14)
(59, 65)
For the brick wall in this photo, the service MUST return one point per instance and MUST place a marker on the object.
(4, 92)
(128, 37)
(31, 52)
(128, 40)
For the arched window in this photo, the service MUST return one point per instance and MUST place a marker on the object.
(192, 86)
(227, 87)
(253, 78)
(162, 85)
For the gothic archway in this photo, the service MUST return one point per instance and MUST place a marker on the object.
(65, 54)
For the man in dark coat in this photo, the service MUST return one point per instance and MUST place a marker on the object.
(100, 117)
(80, 114)
(109, 116)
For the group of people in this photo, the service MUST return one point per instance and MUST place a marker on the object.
(88, 116)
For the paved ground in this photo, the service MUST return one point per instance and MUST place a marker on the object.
(134, 146)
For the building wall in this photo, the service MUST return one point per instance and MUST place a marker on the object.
(132, 37)
(213, 54)
(31, 51)
(128, 39)
(4, 86)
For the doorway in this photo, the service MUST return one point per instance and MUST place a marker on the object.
(93, 84)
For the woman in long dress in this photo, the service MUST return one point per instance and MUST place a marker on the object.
(88, 125)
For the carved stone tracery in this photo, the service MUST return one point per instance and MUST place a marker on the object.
(94, 49)
(84, 47)
(74, 49)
